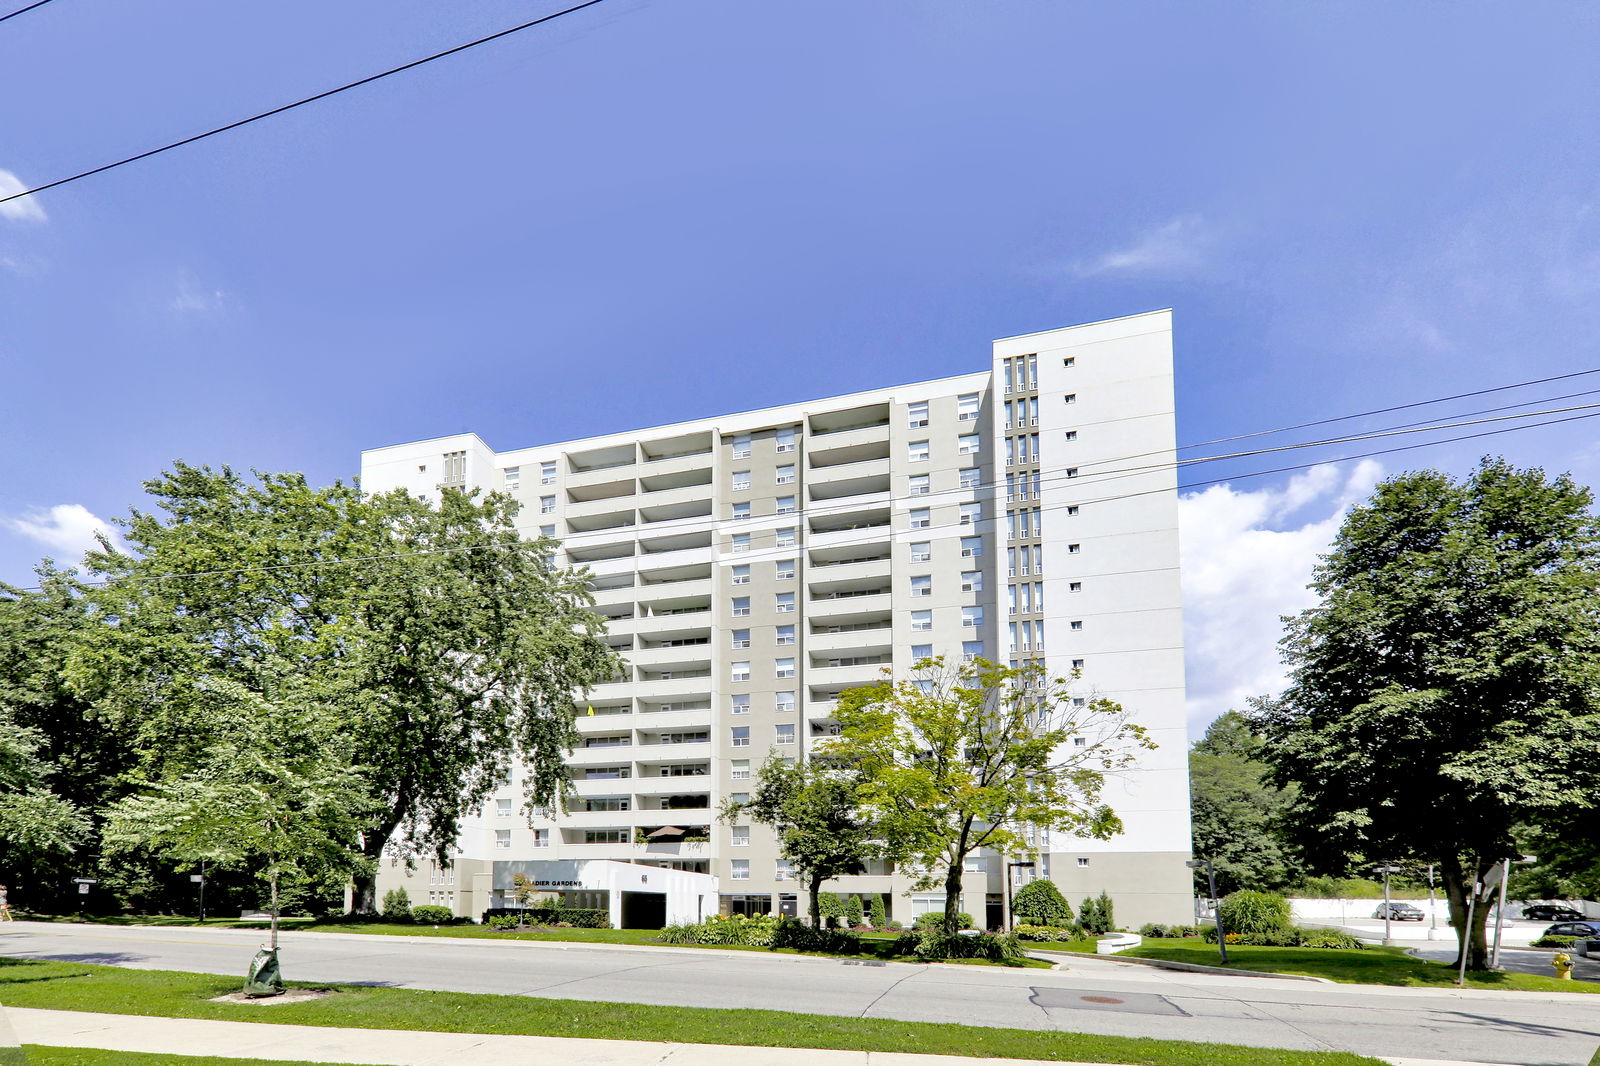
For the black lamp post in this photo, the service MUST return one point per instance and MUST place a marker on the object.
(1216, 904)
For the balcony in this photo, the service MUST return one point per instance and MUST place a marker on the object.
(843, 609)
(654, 785)
(860, 642)
(605, 755)
(665, 688)
(848, 446)
(601, 516)
(847, 676)
(688, 751)
(837, 576)
(661, 721)
(672, 503)
(679, 660)
(857, 479)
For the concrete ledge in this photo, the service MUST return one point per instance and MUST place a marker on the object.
(1183, 967)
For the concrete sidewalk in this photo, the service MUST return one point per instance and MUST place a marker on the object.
(389, 1047)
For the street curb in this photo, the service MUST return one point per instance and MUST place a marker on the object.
(1185, 967)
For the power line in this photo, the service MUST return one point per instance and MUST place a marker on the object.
(298, 103)
(945, 525)
(14, 14)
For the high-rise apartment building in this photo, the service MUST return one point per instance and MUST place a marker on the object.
(753, 566)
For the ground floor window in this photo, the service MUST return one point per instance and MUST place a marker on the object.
(746, 905)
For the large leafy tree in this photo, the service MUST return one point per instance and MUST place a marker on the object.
(979, 755)
(1446, 689)
(445, 644)
(1234, 808)
(814, 811)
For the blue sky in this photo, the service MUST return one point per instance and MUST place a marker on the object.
(656, 210)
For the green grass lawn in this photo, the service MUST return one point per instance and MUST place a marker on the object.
(160, 993)
(1370, 966)
(38, 1055)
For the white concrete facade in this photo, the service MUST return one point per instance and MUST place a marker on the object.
(754, 565)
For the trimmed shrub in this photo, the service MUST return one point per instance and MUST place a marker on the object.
(1329, 938)
(830, 906)
(878, 914)
(1562, 942)
(854, 912)
(500, 921)
(801, 937)
(935, 919)
(429, 914)
(1246, 912)
(551, 914)
(1044, 932)
(1040, 902)
(1108, 916)
(397, 905)
(895, 924)
(1094, 915)
(932, 944)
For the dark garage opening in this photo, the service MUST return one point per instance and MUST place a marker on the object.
(644, 910)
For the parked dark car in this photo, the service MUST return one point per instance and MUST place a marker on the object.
(1399, 912)
(1549, 912)
(1585, 930)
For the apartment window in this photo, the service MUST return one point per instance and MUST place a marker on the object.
(741, 574)
(921, 485)
(921, 551)
(967, 407)
(1070, 397)
(786, 474)
(1077, 664)
(1072, 471)
(1079, 701)
(785, 603)
(1075, 586)
(1074, 549)
(971, 478)
(1069, 362)
(547, 531)
(739, 704)
(969, 444)
(741, 512)
(741, 671)
(513, 476)
(739, 869)
(782, 870)
(917, 451)
(922, 585)
(547, 473)
(784, 570)
(971, 514)
(783, 702)
(917, 414)
(738, 797)
(786, 634)
(741, 480)
(741, 638)
(783, 734)
(972, 581)
(741, 606)
(503, 808)
(1082, 861)
(741, 542)
(786, 505)
(1072, 509)
(502, 838)
(921, 651)
(455, 471)
(971, 649)
(786, 442)
(1070, 434)
(739, 836)
(1076, 623)
(784, 668)
(971, 547)
(541, 838)
(1080, 742)
(975, 864)
(786, 537)
(921, 621)
(741, 446)
(921, 518)
(741, 736)
(971, 617)
(739, 770)
(547, 505)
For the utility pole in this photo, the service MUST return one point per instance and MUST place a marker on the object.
(1386, 871)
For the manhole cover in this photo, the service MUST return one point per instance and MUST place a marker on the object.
(1135, 1002)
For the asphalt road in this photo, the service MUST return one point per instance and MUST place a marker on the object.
(1522, 1029)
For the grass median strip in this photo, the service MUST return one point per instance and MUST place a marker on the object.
(1370, 966)
(39, 1055)
(162, 993)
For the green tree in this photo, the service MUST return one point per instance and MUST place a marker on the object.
(273, 792)
(815, 813)
(37, 825)
(1446, 688)
(877, 912)
(854, 912)
(1040, 902)
(444, 643)
(1234, 809)
(950, 760)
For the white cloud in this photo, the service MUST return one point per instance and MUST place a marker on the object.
(1246, 559)
(1174, 247)
(194, 298)
(26, 209)
(67, 529)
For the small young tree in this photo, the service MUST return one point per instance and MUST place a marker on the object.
(831, 907)
(1040, 902)
(878, 912)
(1107, 915)
(1089, 915)
(815, 813)
(854, 913)
(951, 760)
(397, 905)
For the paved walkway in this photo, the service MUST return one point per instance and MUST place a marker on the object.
(389, 1047)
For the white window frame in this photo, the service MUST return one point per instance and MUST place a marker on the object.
(786, 474)
(969, 444)
(741, 574)
(780, 670)
(968, 406)
(740, 481)
(917, 414)
(742, 446)
(922, 551)
(739, 671)
(918, 451)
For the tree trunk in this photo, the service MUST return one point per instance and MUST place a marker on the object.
(1459, 880)
(952, 897)
(815, 888)
(364, 886)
